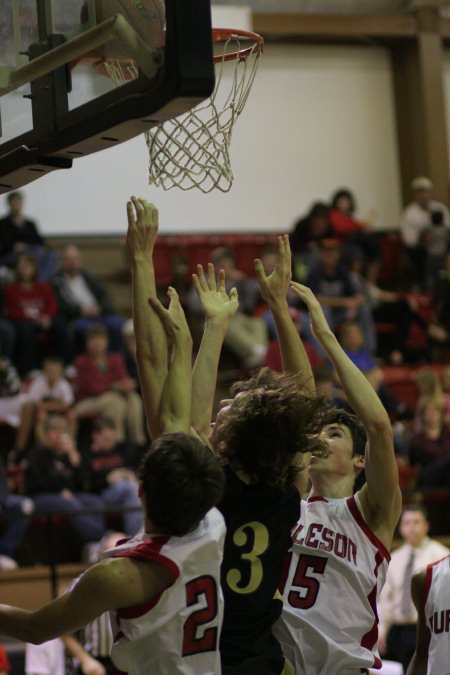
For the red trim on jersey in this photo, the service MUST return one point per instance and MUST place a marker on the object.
(149, 550)
(357, 515)
(316, 499)
(426, 587)
(370, 638)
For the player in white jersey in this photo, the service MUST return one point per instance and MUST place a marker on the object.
(431, 595)
(160, 581)
(340, 546)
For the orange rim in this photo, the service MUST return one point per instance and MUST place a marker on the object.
(96, 60)
(219, 34)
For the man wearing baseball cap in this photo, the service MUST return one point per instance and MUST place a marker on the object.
(416, 218)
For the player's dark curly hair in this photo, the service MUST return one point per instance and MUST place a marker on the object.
(269, 421)
(181, 481)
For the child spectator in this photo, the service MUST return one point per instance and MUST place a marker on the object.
(53, 480)
(103, 387)
(49, 392)
(12, 397)
(107, 473)
(430, 447)
(351, 338)
(31, 306)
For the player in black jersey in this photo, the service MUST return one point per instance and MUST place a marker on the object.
(260, 435)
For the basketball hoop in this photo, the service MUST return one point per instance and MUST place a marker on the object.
(192, 150)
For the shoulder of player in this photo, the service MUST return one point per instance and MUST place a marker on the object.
(126, 580)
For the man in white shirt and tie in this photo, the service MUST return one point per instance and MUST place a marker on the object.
(398, 616)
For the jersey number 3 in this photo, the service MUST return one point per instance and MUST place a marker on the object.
(310, 585)
(197, 639)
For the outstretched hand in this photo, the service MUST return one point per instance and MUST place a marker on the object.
(215, 301)
(142, 227)
(173, 319)
(319, 324)
(274, 287)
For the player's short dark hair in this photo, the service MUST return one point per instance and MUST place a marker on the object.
(181, 481)
(420, 508)
(356, 428)
(270, 420)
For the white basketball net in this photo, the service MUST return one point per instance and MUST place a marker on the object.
(192, 150)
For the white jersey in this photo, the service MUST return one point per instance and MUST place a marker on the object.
(177, 632)
(329, 624)
(436, 599)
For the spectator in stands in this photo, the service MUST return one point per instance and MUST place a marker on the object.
(399, 310)
(107, 473)
(430, 447)
(83, 300)
(19, 234)
(430, 389)
(351, 338)
(415, 220)
(355, 235)
(435, 240)
(49, 392)
(14, 509)
(12, 396)
(330, 281)
(31, 306)
(441, 294)
(53, 480)
(398, 617)
(305, 237)
(103, 387)
(247, 334)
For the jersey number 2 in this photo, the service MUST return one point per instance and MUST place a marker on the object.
(301, 580)
(196, 640)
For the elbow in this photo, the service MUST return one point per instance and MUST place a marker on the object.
(380, 427)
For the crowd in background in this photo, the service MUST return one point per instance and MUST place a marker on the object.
(69, 389)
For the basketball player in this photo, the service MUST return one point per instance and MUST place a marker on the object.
(431, 595)
(163, 586)
(341, 543)
(260, 437)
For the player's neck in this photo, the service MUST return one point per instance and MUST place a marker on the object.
(330, 488)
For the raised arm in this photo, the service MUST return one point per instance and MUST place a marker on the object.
(218, 308)
(380, 497)
(151, 343)
(419, 661)
(274, 290)
(175, 409)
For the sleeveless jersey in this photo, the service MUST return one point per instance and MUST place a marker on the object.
(259, 522)
(176, 632)
(337, 566)
(436, 600)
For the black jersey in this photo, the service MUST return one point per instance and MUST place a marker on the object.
(259, 522)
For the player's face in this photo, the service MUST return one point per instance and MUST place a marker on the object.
(224, 407)
(339, 442)
(413, 527)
